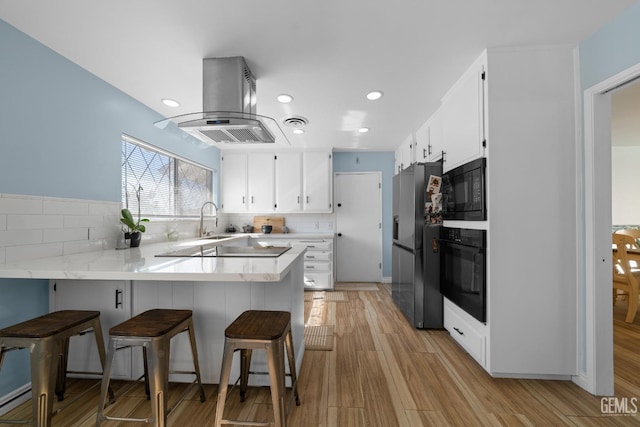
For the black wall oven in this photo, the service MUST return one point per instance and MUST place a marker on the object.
(463, 192)
(463, 269)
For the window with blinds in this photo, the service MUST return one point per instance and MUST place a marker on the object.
(162, 184)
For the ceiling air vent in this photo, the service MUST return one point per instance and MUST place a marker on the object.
(296, 122)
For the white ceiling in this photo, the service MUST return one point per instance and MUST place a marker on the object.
(328, 54)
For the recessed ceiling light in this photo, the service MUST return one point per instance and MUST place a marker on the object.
(284, 98)
(170, 102)
(363, 130)
(298, 131)
(373, 95)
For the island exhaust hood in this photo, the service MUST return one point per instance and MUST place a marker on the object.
(229, 105)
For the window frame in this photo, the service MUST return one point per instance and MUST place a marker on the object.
(175, 191)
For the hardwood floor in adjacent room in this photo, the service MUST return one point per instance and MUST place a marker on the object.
(382, 372)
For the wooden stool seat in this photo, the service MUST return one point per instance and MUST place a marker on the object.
(152, 323)
(153, 331)
(50, 324)
(259, 325)
(269, 331)
(47, 338)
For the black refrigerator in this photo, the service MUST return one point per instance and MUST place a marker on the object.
(415, 279)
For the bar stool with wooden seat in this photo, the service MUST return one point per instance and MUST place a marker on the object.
(47, 338)
(152, 330)
(270, 331)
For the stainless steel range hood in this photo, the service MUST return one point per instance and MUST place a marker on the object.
(229, 106)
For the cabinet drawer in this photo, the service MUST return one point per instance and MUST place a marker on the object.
(466, 335)
(318, 280)
(317, 256)
(316, 245)
(312, 266)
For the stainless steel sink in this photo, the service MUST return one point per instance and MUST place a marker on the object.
(213, 250)
(217, 237)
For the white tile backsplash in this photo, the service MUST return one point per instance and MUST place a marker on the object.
(75, 221)
(27, 222)
(296, 223)
(20, 205)
(34, 227)
(20, 237)
(65, 235)
(63, 207)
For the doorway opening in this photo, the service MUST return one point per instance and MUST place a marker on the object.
(596, 340)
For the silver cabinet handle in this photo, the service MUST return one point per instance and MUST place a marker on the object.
(252, 200)
(243, 200)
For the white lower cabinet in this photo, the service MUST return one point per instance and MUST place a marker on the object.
(112, 299)
(465, 330)
(318, 263)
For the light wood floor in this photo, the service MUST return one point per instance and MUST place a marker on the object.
(384, 373)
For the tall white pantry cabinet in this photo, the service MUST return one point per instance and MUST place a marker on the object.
(529, 127)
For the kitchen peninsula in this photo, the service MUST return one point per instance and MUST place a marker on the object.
(124, 283)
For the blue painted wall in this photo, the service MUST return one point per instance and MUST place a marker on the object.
(60, 136)
(610, 50)
(374, 162)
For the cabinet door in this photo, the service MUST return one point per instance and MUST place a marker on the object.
(316, 184)
(407, 148)
(463, 118)
(109, 297)
(234, 182)
(398, 160)
(262, 182)
(436, 144)
(422, 143)
(289, 182)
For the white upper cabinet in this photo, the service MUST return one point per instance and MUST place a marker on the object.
(463, 117)
(316, 181)
(404, 156)
(261, 177)
(288, 182)
(397, 160)
(428, 142)
(234, 182)
(435, 146)
(281, 181)
(422, 143)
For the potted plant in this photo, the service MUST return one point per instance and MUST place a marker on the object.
(134, 229)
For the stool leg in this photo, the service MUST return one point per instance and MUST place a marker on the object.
(196, 364)
(292, 366)
(106, 379)
(44, 363)
(275, 359)
(97, 332)
(227, 360)
(145, 363)
(158, 359)
(61, 380)
(245, 367)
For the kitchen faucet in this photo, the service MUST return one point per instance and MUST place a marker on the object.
(202, 232)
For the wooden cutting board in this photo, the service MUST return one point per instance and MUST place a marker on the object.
(276, 222)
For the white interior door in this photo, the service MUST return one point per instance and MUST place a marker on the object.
(357, 201)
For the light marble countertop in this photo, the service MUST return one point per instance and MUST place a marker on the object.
(142, 264)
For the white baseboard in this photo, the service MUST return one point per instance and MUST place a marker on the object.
(15, 398)
(386, 280)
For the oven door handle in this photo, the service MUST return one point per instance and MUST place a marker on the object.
(458, 243)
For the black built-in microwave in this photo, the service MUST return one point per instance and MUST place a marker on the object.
(463, 192)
